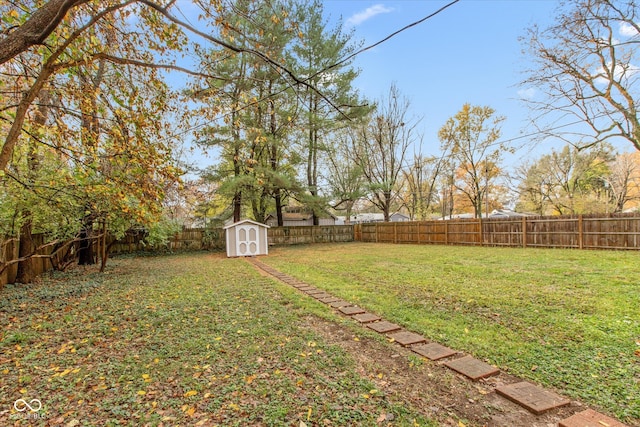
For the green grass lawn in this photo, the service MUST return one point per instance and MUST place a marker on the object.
(565, 319)
(181, 340)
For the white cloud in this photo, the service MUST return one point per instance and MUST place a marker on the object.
(620, 72)
(528, 93)
(627, 30)
(368, 13)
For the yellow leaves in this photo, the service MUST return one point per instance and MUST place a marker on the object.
(141, 392)
(191, 393)
(65, 372)
(250, 379)
(234, 407)
(13, 14)
(461, 424)
(189, 410)
(65, 347)
(146, 378)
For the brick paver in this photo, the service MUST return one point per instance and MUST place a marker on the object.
(406, 338)
(314, 291)
(299, 285)
(328, 300)
(590, 418)
(384, 327)
(433, 351)
(322, 295)
(351, 310)
(366, 317)
(339, 303)
(532, 397)
(472, 368)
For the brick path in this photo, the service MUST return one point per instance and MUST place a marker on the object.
(530, 396)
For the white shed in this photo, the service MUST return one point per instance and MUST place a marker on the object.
(246, 238)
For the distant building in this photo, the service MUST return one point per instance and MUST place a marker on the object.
(300, 218)
(506, 213)
(365, 218)
(496, 213)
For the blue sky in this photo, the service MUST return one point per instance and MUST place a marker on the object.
(469, 53)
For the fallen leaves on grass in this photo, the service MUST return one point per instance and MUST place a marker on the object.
(186, 340)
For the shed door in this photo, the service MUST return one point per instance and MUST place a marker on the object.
(247, 240)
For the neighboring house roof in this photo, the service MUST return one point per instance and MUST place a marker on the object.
(376, 217)
(458, 216)
(300, 216)
(399, 217)
(506, 213)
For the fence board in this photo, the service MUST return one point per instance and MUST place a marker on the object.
(615, 231)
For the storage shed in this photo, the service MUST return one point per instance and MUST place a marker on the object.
(246, 238)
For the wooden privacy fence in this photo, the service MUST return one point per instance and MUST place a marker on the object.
(615, 231)
(46, 256)
(310, 234)
(214, 239)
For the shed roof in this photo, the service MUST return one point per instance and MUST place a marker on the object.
(245, 221)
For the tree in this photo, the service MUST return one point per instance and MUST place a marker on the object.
(318, 48)
(259, 108)
(344, 177)
(95, 147)
(569, 181)
(586, 65)
(420, 180)
(380, 147)
(623, 182)
(469, 140)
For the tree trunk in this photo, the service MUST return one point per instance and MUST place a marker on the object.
(26, 272)
(85, 251)
(278, 198)
(237, 206)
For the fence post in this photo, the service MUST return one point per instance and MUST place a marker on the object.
(481, 231)
(580, 232)
(524, 231)
(446, 232)
(395, 232)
